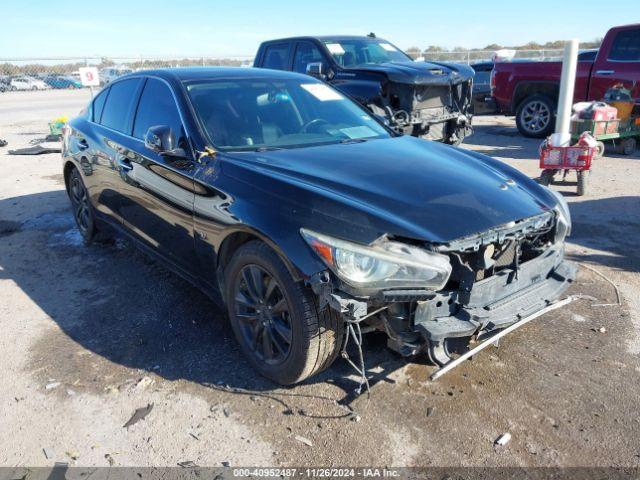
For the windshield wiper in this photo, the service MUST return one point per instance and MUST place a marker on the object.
(267, 149)
(353, 140)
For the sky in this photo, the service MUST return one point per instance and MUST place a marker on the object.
(68, 28)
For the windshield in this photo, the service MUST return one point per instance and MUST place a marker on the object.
(356, 52)
(254, 114)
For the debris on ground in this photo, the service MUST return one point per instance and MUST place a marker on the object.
(187, 464)
(430, 411)
(143, 383)
(225, 464)
(599, 330)
(48, 453)
(109, 459)
(503, 439)
(3, 143)
(73, 455)
(356, 418)
(304, 440)
(138, 415)
(70, 392)
(52, 385)
(35, 150)
(111, 389)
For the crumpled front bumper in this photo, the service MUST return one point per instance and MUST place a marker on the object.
(496, 302)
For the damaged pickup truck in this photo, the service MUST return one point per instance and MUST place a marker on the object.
(427, 100)
(309, 219)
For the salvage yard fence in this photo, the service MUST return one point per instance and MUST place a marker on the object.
(46, 68)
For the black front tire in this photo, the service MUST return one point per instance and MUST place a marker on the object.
(257, 283)
(535, 116)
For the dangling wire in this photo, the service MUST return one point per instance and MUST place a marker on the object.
(355, 333)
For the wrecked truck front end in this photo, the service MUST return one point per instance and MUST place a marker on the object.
(472, 288)
(427, 100)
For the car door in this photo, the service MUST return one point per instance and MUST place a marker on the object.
(618, 61)
(159, 190)
(100, 147)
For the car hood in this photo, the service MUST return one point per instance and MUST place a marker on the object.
(400, 186)
(422, 73)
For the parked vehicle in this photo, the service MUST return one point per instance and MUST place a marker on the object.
(429, 100)
(529, 90)
(482, 101)
(297, 209)
(27, 83)
(111, 73)
(5, 84)
(59, 81)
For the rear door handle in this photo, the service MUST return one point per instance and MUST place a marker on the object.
(605, 72)
(125, 164)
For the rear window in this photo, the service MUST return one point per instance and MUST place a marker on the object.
(116, 113)
(277, 56)
(98, 105)
(626, 46)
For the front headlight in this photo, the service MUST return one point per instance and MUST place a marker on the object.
(563, 227)
(382, 265)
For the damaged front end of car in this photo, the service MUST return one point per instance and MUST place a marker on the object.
(440, 298)
(435, 103)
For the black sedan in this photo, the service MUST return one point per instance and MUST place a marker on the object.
(306, 217)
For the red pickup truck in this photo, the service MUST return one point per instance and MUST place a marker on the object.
(529, 90)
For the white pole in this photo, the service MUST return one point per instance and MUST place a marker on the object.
(562, 137)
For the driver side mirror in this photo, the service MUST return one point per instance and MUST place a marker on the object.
(315, 70)
(160, 139)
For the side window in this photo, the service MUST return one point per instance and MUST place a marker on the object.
(98, 105)
(307, 52)
(118, 107)
(277, 56)
(157, 107)
(626, 46)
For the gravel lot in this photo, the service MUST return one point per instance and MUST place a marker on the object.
(90, 334)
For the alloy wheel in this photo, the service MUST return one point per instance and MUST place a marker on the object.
(535, 116)
(263, 314)
(81, 206)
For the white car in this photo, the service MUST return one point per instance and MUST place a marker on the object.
(111, 73)
(28, 83)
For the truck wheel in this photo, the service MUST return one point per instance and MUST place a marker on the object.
(583, 182)
(599, 150)
(276, 320)
(535, 116)
(628, 146)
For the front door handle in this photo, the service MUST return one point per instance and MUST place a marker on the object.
(125, 164)
(83, 144)
(605, 72)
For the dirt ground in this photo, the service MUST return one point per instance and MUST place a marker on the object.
(90, 334)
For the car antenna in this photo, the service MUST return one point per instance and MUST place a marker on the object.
(371, 35)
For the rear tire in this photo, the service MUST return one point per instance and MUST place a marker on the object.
(276, 320)
(535, 116)
(81, 207)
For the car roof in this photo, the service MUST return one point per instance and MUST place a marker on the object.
(184, 74)
(324, 38)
